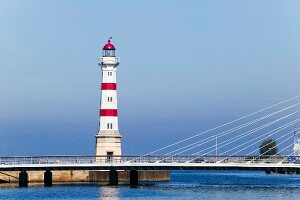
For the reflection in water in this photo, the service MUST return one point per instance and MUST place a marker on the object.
(212, 185)
(109, 193)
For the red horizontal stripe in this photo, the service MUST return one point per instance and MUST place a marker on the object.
(109, 86)
(109, 112)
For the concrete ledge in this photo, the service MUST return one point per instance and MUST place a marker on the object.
(124, 176)
(83, 176)
(38, 176)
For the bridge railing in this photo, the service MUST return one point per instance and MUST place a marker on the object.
(38, 160)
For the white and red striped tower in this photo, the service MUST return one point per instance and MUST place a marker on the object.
(108, 138)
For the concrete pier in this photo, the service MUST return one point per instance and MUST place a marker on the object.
(124, 177)
(23, 179)
(47, 178)
(103, 177)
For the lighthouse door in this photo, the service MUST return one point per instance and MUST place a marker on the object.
(109, 156)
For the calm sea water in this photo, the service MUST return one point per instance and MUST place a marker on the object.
(184, 185)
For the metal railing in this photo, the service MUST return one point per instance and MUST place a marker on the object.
(109, 59)
(38, 160)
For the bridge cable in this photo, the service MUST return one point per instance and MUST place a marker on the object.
(260, 139)
(287, 155)
(221, 134)
(226, 144)
(274, 146)
(244, 134)
(252, 151)
(272, 141)
(220, 126)
(251, 131)
(265, 134)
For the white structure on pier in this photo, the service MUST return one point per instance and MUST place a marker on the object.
(108, 138)
(296, 147)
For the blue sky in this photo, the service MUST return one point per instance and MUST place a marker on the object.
(186, 66)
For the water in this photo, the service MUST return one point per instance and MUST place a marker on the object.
(210, 185)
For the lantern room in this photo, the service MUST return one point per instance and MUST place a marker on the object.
(109, 49)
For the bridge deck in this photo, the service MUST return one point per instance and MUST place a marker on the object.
(150, 163)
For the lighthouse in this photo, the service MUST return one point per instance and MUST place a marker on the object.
(108, 138)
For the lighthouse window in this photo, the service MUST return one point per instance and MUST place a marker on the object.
(109, 125)
(109, 53)
(109, 99)
(109, 73)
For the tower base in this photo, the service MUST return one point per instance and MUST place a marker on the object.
(108, 146)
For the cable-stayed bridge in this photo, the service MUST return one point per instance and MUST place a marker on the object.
(234, 145)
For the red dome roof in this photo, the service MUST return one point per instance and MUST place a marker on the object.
(109, 46)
